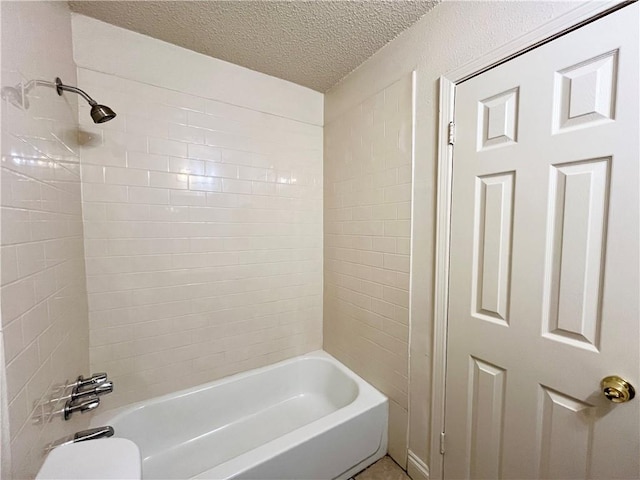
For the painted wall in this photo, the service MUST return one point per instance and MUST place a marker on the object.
(203, 214)
(449, 36)
(43, 293)
(367, 221)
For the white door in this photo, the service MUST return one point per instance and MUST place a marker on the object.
(544, 279)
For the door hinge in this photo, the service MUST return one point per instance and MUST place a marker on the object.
(452, 133)
(442, 443)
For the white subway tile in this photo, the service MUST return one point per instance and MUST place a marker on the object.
(186, 166)
(21, 369)
(403, 245)
(126, 211)
(175, 181)
(114, 155)
(126, 176)
(34, 322)
(204, 152)
(184, 133)
(137, 125)
(143, 160)
(206, 184)
(93, 173)
(104, 193)
(13, 339)
(147, 195)
(179, 197)
(236, 186)
(213, 169)
(167, 113)
(398, 263)
(17, 298)
(164, 146)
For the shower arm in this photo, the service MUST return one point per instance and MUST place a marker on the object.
(17, 96)
(60, 87)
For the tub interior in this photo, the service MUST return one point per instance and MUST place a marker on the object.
(230, 418)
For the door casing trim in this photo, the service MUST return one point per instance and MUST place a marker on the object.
(571, 20)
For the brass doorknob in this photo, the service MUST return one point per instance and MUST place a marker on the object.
(617, 389)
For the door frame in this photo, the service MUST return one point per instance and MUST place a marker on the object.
(572, 20)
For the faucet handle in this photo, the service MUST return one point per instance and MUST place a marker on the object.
(84, 406)
(99, 389)
(104, 387)
(94, 379)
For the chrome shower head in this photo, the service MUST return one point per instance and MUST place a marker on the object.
(99, 113)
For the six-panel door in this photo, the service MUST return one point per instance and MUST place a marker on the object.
(544, 261)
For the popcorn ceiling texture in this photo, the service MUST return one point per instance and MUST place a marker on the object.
(311, 43)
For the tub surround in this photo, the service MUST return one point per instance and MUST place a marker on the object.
(202, 206)
(43, 292)
(367, 222)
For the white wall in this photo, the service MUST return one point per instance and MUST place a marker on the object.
(43, 294)
(105, 48)
(452, 34)
(202, 206)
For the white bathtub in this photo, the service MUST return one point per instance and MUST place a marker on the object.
(305, 418)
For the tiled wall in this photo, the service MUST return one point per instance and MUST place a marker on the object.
(367, 216)
(43, 294)
(203, 236)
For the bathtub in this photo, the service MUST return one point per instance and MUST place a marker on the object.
(309, 417)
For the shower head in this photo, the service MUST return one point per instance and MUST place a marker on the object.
(99, 113)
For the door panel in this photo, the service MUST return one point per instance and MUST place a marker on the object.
(544, 288)
(579, 201)
(486, 411)
(492, 245)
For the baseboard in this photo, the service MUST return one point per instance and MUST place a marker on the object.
(416, 468)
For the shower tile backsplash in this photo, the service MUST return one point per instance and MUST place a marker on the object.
(203, 237)
(367, 222)
(43, 296)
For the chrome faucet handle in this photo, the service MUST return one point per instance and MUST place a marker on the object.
(84, 406)
(93, 433)
(99, 389)
(94, 379)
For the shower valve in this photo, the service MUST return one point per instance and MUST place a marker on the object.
(94, 379)
(82, 406)
(97, 390)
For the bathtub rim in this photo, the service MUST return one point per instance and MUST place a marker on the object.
(364, 388)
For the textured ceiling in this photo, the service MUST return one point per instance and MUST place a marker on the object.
(314, 43)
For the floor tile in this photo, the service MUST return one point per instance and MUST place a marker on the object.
(383, 469)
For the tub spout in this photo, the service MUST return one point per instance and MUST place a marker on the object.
(93, 433)
(83, 435)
